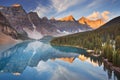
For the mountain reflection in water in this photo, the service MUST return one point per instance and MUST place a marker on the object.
(35, 60)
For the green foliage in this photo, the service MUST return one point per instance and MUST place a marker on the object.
(116, 58)
(108, 33)
(117, 39)
(108, 51)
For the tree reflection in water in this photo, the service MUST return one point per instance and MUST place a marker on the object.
(30, 53)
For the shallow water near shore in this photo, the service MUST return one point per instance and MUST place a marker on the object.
(38, 60)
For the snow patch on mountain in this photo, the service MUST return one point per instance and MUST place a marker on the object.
(33, 34)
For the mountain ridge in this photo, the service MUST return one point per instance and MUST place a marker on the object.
(17, 17)
(104, 41)
(92, 23)
(67, 18)
(83, 20)
(26, 23)
(110, 30)
(7, 33)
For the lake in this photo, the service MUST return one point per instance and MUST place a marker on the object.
(38, 60)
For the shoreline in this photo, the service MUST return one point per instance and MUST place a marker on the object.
(69, 46)
(112, 67)
(87, 50)
(91, 52)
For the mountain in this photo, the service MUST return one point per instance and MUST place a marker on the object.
(91, 39)
(6, 28)
(92, 23)
(52, 19)
(55, 27)
(104, 41)
(17, 17)
(43, 25)
(70, 26)
(32, 26)
(7, 33)
(111, 23)
(67, 18)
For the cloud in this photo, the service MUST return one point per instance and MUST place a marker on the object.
(62, 5)
(57, 71)
(62, 73)
(105, 15)
(94, 16)
(56, 7)
(113, 1)
(97, 15)
(42, 10)
(95, 3)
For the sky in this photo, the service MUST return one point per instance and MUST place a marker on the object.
(92, 9)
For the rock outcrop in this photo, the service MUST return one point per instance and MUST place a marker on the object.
(43, 25)
(67, 18)
(92, 23)
(7, 33)
(53, 27)
(28, 23)
(5, 27)
(70, 26)
(17, 17)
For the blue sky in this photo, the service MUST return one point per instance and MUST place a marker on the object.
(92, 9)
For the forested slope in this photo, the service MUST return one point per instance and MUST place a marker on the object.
(105, 39)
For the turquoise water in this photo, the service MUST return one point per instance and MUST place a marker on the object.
(38, 60)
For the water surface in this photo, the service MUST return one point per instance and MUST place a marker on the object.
(38, 60)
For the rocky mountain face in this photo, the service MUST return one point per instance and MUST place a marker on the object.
(67, 18)
(5, 27)
(54, 27)
(92, 23)
(43, 25)
(31, 25)
(112, 23)
(17, 17)
(7, 33)
(70, 26)
(107, 32)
